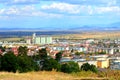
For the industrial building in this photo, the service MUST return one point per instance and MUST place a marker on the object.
(39, 39)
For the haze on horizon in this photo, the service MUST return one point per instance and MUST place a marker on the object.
(58, 13)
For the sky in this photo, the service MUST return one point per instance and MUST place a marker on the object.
(58, 13)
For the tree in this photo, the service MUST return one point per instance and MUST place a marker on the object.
(94, 69)
(79, 53)
(88, 67)
(58, 56)
(85, 67)
(49, 64)
(43, 53)
(102, 52)
(70, 67)
(22, 50)
(9, 62)
(2, 48)
(36, 57)
(26, 64)
(117, 50)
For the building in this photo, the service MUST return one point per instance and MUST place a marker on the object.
(33, 38)
(41, 39)
(93, 62)
(115, 65)
(103, 63)
(28, 41)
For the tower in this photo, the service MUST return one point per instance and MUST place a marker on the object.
(33, 38)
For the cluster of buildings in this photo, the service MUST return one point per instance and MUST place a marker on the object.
(100, 61)
(69, 47)
(39, 40)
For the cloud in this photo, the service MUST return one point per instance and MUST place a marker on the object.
(79, 10)
(16, 11)
(19, 2)
(58, 8)
(111, 9)
(79, 2)
(62, 8)
(24, 2)
(25, 11)
(89, 2)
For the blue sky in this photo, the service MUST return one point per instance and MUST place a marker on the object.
(58, 13)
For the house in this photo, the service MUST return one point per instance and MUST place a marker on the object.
(115, 65)
(15, 50)
(92, 62)
(1, 51)
(103, 63)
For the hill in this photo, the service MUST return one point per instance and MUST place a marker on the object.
(53, 75)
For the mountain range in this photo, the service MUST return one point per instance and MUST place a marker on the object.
(113, 26)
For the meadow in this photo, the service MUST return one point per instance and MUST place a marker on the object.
(53, 75)
(95, 35)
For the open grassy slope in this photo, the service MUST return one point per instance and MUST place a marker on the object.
(96, 35)
(52, 75)
(35, 76)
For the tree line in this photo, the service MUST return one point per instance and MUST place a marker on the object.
(41, 61)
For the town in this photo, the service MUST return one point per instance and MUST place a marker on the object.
(103, 53)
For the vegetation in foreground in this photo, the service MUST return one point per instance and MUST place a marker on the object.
(53, 75)
(23, 63)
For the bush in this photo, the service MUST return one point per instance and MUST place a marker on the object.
(70, 67)
(22, 50)
(42, 54)
(58, 56)
(79, 53)
(9, 62)
(111, 74)
(49, 64)
(88, 67)
(85, 74)
(26, 64)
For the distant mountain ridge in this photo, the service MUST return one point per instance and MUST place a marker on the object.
(113, 26)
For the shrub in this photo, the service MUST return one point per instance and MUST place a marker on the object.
(9, 62)
(42, 54)
(49, 64)
(70, 67)
(58, 56)
(88, 67)
(26, 64)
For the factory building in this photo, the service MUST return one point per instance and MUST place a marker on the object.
(41, 39)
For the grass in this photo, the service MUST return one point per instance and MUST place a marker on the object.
(10, 39)
(35, 76)
(111, 74)
(96, 35)
(51, 75)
